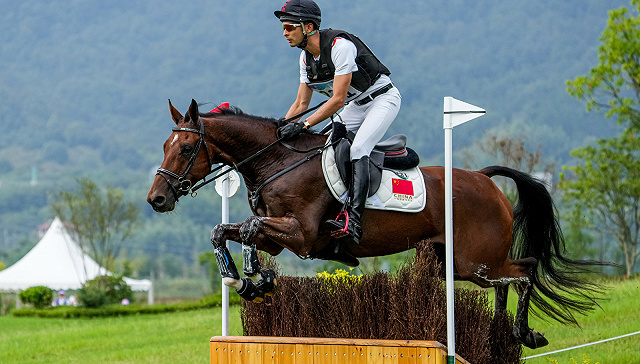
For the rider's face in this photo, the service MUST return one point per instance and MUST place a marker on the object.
(293, 33)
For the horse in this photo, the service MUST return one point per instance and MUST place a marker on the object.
(495, 245)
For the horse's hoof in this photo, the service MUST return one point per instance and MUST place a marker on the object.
(350, 261)
(532, 339)
(250, 292)
(343, 255)
(268, 283)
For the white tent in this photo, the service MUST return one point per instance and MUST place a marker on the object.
(58, 262)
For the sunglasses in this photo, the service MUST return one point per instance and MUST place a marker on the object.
(290, 27)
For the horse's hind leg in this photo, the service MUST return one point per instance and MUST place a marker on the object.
(519, 272)
(501, 293)
(521, 330)
(529, 338)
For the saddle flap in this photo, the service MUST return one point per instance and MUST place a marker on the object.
(343, 157)
(402, 191)
(343, 163)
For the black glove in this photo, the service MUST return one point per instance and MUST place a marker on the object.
(291, 130)
(281, 122)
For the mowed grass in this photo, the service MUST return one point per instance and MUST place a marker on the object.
(181, 337)
(620, 315)
(184, 337)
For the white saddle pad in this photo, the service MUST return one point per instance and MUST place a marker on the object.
(399, 191)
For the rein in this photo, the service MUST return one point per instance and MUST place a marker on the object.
(302, 113)
(255, 195)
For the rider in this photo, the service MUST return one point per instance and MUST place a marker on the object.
(339, 65)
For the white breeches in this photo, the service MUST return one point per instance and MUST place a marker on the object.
(370, 121)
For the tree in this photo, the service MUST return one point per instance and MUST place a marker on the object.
(604, 191)
(510, 151)
(615, 83)
(209, 258)
(580, 242)
(100, 220)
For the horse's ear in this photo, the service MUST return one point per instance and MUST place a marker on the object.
(193, 111)
(175, 114)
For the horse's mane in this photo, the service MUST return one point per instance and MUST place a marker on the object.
(236, 111)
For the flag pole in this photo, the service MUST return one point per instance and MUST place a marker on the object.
(456, 112)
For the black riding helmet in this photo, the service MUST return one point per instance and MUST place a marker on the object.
(300, 11)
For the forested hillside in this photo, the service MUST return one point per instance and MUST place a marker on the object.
(84, 88)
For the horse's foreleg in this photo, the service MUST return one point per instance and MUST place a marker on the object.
(228, 271)
(263, 279)
(284, 231)
(257, 229)
(252, 288)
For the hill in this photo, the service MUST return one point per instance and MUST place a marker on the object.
(84, 86)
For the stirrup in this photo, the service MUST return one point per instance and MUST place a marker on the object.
(342, 232)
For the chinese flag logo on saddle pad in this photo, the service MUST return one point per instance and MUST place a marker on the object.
(402, 187)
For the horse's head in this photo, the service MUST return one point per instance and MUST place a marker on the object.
(186, 160)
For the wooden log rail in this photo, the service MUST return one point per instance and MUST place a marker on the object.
(299, 350)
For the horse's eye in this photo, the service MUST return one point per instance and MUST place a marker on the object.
(186, 150)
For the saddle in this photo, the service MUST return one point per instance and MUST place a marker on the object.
(391, 153)
(396, 182)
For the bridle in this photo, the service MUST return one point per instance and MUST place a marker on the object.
(185, 185)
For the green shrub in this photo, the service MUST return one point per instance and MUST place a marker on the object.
(38, 296)
(120, 310)
(104, 290)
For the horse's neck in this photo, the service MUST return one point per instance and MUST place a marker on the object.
(247, 143)
(244, 142)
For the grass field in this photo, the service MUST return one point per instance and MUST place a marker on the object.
(165, 338)
(620, 314)
(184, 337)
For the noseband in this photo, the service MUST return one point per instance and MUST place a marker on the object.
(184, 185)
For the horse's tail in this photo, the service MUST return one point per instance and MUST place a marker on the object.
(536, 233)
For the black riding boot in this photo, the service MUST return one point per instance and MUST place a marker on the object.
(358, 198)
(360, 185)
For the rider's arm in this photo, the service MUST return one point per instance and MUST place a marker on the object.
(336, 102)
(343, 55)
(302, 101)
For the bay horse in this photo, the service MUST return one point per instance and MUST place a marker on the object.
(494, 245)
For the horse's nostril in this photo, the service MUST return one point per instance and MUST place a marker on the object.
(159, 201)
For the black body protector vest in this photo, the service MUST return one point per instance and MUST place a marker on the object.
(321, 72)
